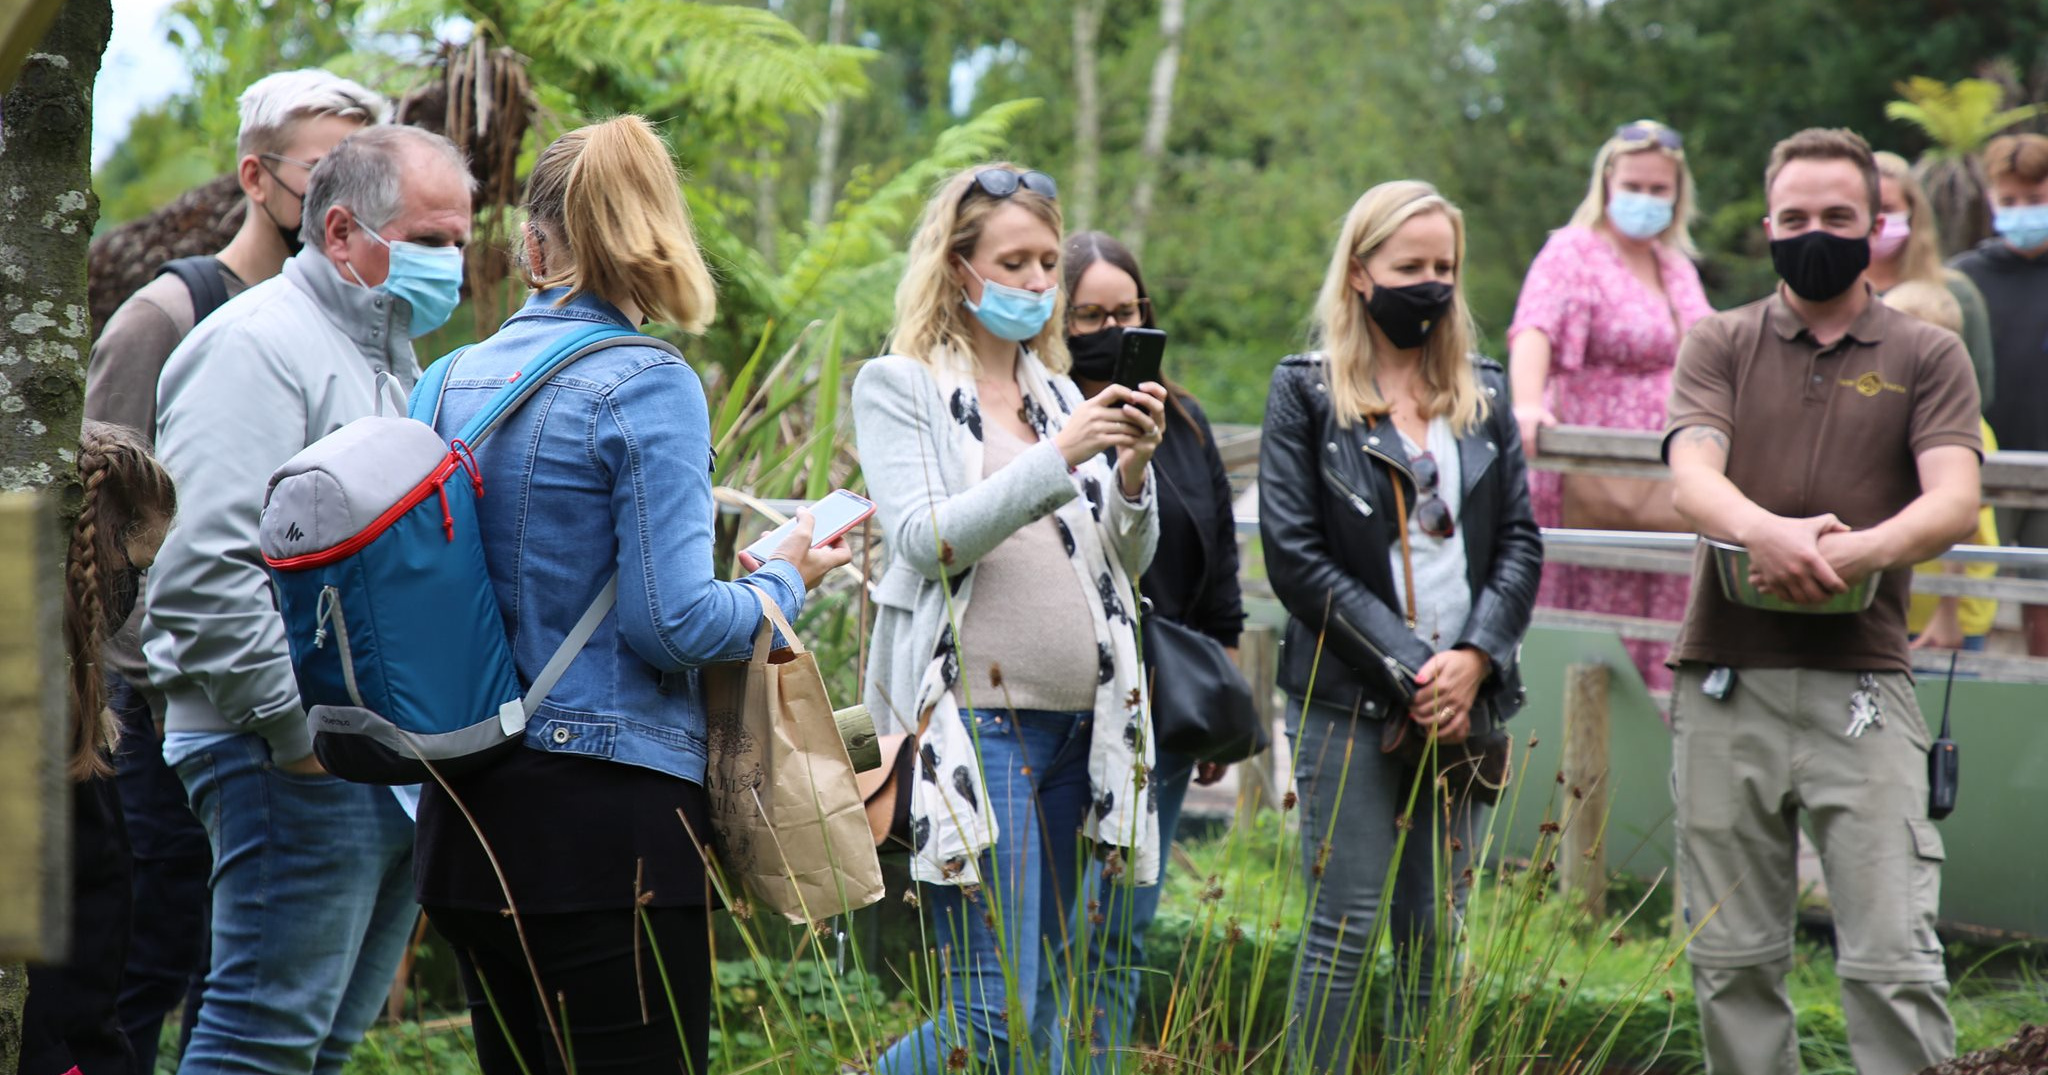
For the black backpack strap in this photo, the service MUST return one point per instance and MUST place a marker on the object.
(202, 277)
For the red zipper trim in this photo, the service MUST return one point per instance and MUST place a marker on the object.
(435, 482)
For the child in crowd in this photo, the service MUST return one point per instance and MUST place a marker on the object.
(69, 1026)
(1949, 622)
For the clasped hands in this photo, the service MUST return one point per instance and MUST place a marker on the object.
(1807, 561)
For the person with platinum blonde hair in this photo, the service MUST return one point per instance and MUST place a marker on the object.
(1394, 515)
(1016, 512)
(1593, 342)
(290, 121)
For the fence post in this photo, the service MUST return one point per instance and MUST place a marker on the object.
(1582, 854)
(1260, 782)
(35, 794)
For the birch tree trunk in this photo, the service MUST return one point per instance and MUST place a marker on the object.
(825, 183)
(1087, 116)
(47, 210)
(1158, 120)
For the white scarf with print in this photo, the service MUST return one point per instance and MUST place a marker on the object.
(951, 821)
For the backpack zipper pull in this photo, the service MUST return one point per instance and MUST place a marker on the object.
(447, 517)
(323, 611)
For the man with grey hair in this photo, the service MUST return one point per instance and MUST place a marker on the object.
(312, 881)
(290, 120)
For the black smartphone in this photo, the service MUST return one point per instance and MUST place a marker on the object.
(1138, 362)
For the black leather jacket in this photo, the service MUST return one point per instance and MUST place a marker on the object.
(1326, 520)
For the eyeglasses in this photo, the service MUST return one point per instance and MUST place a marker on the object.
(1000, 183)
(1430, 509)
(1090, 317)
(1644, 131)
(278, 158)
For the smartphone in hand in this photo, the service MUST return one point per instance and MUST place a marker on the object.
(835, 515)
(1138, 361)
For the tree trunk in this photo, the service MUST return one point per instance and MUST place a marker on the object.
(1165, 71)
(825, 184)
(1087, 115)
(46, 174)
(764, 203)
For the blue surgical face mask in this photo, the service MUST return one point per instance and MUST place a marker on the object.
(428, 278)
(1012, 313)
(2024, 226)
(1637, 215)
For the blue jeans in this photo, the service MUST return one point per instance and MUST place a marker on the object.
(1112, 981)
(167, 943)
(1036, 767)
(312, 908)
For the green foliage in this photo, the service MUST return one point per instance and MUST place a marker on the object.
(1959, 118)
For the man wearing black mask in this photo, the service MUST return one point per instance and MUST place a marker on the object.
(289, 121)
(1835, 439)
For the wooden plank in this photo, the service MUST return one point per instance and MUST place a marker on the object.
(35, 796)
(1582, 843)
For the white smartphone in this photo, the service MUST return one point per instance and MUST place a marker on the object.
(838, 513)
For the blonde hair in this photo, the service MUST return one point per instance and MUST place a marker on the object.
(1920, 258)
(273, 105)
(1449, 387)
(124, 492)
(1677, 234)
(1929, 301)
(608, 200)
(931, 314)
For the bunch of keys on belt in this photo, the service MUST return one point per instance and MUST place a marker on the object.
(1865, 712)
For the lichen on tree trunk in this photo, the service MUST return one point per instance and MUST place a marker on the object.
(47, 211)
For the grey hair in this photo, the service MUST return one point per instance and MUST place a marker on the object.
(362, 173)
(273, 103)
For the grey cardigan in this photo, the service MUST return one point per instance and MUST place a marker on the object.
(937, 520)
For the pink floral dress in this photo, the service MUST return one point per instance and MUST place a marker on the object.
(1613, 342)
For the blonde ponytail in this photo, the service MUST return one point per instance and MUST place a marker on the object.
(610, 194)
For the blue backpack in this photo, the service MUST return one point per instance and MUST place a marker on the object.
(370, 535)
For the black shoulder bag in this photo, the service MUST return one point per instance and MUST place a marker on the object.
(1201, 706)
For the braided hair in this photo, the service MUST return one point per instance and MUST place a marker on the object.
(126, 494)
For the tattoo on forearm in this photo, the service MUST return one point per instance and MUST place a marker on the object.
(1705, 436)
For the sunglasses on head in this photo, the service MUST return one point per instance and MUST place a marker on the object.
(1650, 132)
(1000, 183)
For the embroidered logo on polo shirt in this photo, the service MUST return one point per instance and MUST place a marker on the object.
(1870, 384)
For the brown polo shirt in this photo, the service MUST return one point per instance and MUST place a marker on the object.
(1813, 430)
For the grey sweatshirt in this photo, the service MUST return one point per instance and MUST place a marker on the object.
(283, 364)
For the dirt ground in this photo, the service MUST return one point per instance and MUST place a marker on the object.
(2025, 1054)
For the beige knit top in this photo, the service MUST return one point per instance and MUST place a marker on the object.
(1029, 617)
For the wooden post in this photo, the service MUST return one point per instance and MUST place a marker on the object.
(35, 795)
(1261, 782)
(1582, 855)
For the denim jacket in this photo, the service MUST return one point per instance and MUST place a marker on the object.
(608, 468)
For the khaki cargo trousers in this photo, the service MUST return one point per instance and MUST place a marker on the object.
(1743, 768)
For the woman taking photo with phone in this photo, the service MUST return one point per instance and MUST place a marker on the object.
(1394, 513)
(1192, 582)
(605, 472)
(1016, 512)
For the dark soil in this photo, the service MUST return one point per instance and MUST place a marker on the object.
(2025, 1054)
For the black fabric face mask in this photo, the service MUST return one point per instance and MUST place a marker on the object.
(293, 243)
(1820, 265)
(1095, 354)
(1408, 314)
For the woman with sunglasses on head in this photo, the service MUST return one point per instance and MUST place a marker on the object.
(1594, 339)
(1016, 512)
(1192, 581)
(1394, 518)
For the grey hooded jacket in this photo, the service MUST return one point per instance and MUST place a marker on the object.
(283, 364)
